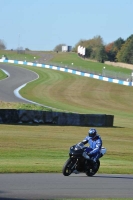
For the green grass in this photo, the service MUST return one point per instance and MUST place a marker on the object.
(66, 59)
(83, 95)
(13, 55)
(45, 148)
(2, 75)
(22, 106)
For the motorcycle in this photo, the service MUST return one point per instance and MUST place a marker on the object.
(78, 163)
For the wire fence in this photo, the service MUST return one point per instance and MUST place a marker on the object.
(117, 75)
(105, 72)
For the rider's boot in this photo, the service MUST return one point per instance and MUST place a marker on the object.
(76, 171)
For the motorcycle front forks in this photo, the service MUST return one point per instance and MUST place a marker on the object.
(75, 165)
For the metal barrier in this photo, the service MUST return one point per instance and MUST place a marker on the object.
(72, 71)
(13, 116)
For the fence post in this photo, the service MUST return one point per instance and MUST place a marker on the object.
(103, 71)
(131, 79)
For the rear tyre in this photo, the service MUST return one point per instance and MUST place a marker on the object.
(93, 169)
(67, 168)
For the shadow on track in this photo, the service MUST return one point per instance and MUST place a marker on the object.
(104, 176)
(115, 176)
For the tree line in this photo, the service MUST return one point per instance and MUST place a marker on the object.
(19, 49)
(119, 50)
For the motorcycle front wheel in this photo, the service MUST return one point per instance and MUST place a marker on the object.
(68, 167)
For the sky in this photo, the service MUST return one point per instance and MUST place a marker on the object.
(43, 24)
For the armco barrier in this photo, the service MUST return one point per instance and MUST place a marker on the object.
(69, 71)
(12, 116)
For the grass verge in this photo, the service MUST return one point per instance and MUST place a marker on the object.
(41, 148)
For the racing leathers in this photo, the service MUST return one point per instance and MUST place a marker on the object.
(95, 144)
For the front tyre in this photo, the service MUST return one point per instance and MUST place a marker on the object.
(68, 167)
(93, 169)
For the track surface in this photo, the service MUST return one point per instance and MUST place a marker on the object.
(51, 186)
(18, 77)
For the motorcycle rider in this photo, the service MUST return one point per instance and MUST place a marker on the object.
(95, 143)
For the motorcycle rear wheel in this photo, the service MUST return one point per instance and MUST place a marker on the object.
(67, 168)
(94, 169)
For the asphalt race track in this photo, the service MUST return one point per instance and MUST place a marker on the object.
(17, 77)
(53, 186)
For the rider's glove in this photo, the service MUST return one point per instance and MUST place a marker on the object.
(81, 144)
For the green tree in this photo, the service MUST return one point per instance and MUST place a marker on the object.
(89, 51)
(2, 45)
(113, 48)
(126, 52)
(91, 46)
(118, 43)
(101, 54)
(27, 49)
(59, 47)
